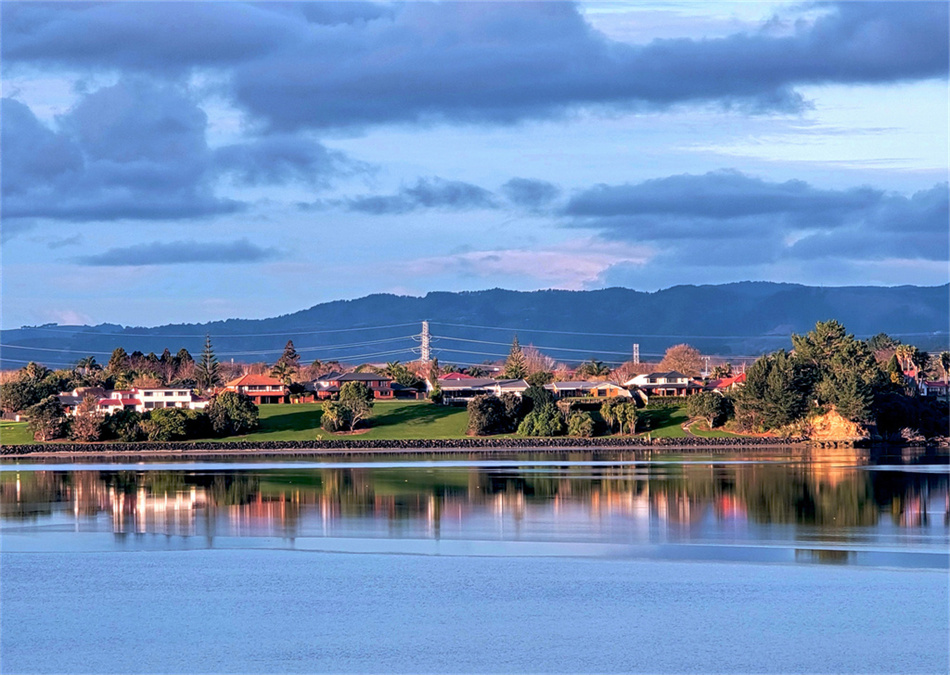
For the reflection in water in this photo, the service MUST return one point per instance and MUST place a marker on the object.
(823, 508)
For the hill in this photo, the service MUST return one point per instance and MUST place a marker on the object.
(738, 319)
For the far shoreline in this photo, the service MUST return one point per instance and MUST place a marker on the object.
(450, 447)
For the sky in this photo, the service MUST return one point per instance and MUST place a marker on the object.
(189, 162)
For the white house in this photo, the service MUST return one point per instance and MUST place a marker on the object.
(673, 383)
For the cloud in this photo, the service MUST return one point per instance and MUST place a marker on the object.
(530, 193)
(131, 151)
(427, 193)
(180, 252)
(570, 265)
(333, 66)
(726, 215)
(282, 158)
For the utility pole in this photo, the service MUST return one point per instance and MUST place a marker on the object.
(706, 371)
(636, 352)
(425, 351)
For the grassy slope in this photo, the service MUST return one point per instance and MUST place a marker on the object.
(15, 433)
(396, 420)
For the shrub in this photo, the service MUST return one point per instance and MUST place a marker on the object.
(543, 421)
(580, 424)
(231, 413)
(486, 415)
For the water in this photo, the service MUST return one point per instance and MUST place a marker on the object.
(531, 563)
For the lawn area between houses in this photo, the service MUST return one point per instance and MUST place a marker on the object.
(392, 420)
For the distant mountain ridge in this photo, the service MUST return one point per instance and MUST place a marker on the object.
(741, 319)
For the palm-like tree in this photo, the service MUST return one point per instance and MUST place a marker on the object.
(945, 365)
(283, 371)
(593, 368)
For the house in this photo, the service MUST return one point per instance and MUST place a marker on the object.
(380, 385)
(168, 397)
(724, 384)
(261, 388)
(139, 399)
(672, 383)
(456, 390)
(934, 389)
(584, 389)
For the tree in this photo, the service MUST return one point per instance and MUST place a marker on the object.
(619, 411)
(486, 415)
(539, 378)
(358, 398)
(123, 425)
(580, 424)
(283, 372)
(47, 420)
(87, 421)
(167, 424)
(710, 406)
(35, 371)
(543, 421)
(775, 393)
(843, 372)
(119, 362)
(516, 366)
(290, 356)
(593, 369)
(515, 410)
(682, 358)
(945, 365)
(535, 397)
(721, 371)
(231, 414)
(207, 369)
(335, 417)
(18, 395)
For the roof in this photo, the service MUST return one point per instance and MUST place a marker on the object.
(363, 377)
(119, 401)
(512, 384)
(457, 376)
(254, 380)
(726, 382)
(471, 383)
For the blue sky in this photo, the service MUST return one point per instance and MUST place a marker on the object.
(187, 162)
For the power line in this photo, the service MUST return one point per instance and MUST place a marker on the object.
(213, 335)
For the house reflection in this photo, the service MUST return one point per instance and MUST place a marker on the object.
(643, 502)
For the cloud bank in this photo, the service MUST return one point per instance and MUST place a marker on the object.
(296, 66)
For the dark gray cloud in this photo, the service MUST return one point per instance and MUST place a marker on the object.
(282, 158)
(725, 215)
(138, 151)
(180, 252)
(329, 65)
(530, 193)
(130, 151)
(427, 193)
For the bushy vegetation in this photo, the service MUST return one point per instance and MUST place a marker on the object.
(830, 369)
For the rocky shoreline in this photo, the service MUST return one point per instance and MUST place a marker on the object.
(358, 446)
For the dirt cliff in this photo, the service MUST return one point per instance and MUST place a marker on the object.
(831, 426)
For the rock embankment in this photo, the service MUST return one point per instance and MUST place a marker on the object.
(343, 446)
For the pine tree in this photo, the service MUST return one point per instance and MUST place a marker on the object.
(206, 370)
(290, 356)
(515, 367)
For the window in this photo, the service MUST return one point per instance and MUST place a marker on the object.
(169, 393)
(147, 393)
(149, 405)
(182, 393)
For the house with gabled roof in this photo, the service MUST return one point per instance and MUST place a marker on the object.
(672, 383)
(586, 389)
(724, 384)
(261, 388)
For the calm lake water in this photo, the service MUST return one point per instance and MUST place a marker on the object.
(529, 563)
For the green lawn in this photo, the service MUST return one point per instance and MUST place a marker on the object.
(15, 433)
(391, 420)
(664, 422)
